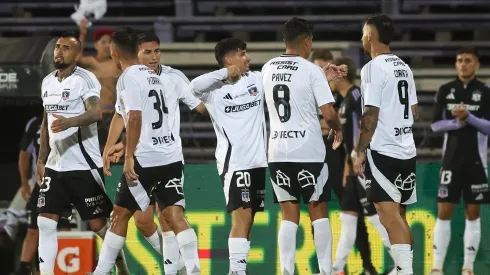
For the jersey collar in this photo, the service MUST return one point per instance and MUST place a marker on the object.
(288, 55)
(472, 82)
(56, 74)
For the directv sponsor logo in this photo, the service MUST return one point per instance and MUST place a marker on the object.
(243, 107)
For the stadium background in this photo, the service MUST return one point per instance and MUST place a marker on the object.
(428, 34)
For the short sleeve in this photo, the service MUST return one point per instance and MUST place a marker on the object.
(374, 82)
(131, 93)
(91, 86)
(29, 134)
(184, 88)
(321, 90)
(412, 96)
(357, 103)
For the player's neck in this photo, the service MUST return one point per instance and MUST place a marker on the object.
(128, 63)
(466, 81)
(291, 51)
(64, 73)
(379, 49)
(343, 87)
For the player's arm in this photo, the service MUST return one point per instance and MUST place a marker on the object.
(186, 94)
(413, 101)
(439, 122)
(84, 61)
(131, 97)
(481, 124)
(369, 122)
(44, 148)
(92, 113)
(25, 154)
(203, 85)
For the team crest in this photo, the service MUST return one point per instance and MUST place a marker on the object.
(65, 95)
(253, 91)
(443, 192)
(41, 201)
(476, 96)
(245, 196)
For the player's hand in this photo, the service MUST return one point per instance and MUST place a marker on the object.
(333, 72)
(83, 25)
(60, 124)
(233, 73)
(116, 152)
(128, 170)
(359, 164)
(344, 181)
(39, 173)
(337, 138)
(460, 112)
(25, 190)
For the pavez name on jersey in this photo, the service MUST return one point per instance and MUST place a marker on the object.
(139, 89)
(76, 148)
(294, 89)
(464, 143)
(387, 83)
(237, 113)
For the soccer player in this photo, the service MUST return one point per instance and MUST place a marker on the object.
(389, 97)
(177, 85)
(353, 203)
(234, 99)
(29, 149)
(153, 159)
(462, 112)
(105, 70)
(69, 166)
(294, 90)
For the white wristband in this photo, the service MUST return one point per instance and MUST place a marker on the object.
(353, 154)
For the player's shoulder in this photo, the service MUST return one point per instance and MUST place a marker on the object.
(49, 77)
(446, 87)
(86, 76)
(173, 73)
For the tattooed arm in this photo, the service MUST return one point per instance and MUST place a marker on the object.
(369, 121)
(91, 115)
(44, 149)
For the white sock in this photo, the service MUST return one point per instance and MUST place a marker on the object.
(374, 220)
(472, 235)
(238, 248)
(287, 246)
(155, 241)
(442, 236)
(347, 239)
(121, 264)
(403, 255)
(111, 247)
(48, 244)
(171, 253)
(323, 244)
(187, 240)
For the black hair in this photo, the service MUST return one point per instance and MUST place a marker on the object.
(227, 46)
(72, 35)
(469, 50)
(351, 67)
(125, 40)
(295, 28)
(322, 54)
(384, 26)
(147, 36)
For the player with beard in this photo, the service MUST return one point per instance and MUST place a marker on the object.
(69, 167)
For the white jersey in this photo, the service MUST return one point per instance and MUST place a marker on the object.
(294, 90)
(387, 83)
(177, 89)
(76, 148)
(139, 89)
(237, 112)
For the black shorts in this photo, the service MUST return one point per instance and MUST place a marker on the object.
(354, 197)
(165, 183)
(291, 180)
(470, 179)
(390, 179)
(83, 189)
(245, 188)
(31, 209)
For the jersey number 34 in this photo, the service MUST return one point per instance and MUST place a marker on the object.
(159, 106)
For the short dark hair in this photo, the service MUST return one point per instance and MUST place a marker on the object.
(125, 40)
(322, 54)
(147, 36)
(295, 28)
(351, 67)
(227, 46)
(384, 26)
(72, 35)
(469, 50)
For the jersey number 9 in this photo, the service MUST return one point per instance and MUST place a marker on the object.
(280, 94)
(403, 96)
(159, 106)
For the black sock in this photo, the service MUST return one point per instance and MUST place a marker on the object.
(25, 268)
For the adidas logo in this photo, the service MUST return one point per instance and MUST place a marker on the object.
(41, 260)
(167, 261)
(97, 211)
(242, 261)
(228, 96)
(398, 268)
(450, 96)
(471, 248)
(262, 204)
(479, 197)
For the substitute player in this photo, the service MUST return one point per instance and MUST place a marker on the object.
(234, 99)
(388, 94)
(462, 112)
(69, 167)
(294, 90)
(153, 160)
(353, 203)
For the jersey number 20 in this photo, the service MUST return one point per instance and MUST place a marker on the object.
(159, 106)
(403, 96)
(280, 94)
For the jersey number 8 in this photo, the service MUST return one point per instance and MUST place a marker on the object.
(403, 96)
(280, 94)
(159, 105)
